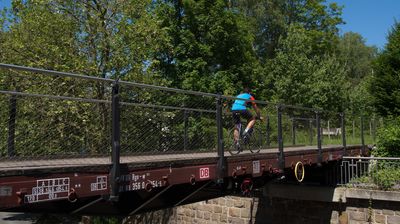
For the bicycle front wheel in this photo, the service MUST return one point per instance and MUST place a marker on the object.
(256, 142)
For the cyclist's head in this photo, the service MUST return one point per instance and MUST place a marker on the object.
(246, 90)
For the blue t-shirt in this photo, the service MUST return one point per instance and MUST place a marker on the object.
(242, 104)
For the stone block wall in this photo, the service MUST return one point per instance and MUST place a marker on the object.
(354, 211)
(369, 211)
(278, 210)
(229, 209)
(264, 210)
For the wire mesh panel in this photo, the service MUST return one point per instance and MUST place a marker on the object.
(298, 126)
(353, 130)
(5, 125)
(269, 126)
(155, 121)
(331, 128)
(45, 127)
(47, 116)
(370, 126)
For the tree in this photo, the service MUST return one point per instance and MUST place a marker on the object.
(389, 139)
(99, 38)
(298, 77)
(356, 56)
(34, 36)
(385, 84)
(208, 47)
(272, 18)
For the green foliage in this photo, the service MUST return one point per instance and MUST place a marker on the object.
(386, 178)
(385, 85)
(284, 50)
(100, 38)
(299, 77)
(355, 56)
(360, 99)
(271, 20)
(208, 48)
(388, 144)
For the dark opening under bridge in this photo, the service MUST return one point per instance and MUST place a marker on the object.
(81, 144)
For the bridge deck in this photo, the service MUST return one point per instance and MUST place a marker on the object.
(10, 165)
(25, 183)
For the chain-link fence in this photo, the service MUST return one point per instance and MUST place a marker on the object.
(53, 116)
(299, 127)
(47, 114)
(155, 121)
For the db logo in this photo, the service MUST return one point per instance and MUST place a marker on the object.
(204, 173)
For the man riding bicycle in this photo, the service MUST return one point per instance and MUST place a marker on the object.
(239, 109)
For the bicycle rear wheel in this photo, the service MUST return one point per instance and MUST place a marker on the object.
(232, 149)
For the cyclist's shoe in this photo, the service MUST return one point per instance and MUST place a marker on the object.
(246, 138)
(237, 147)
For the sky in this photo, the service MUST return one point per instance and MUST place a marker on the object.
(371, 18)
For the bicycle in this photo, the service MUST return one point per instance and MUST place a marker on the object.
(253, 143)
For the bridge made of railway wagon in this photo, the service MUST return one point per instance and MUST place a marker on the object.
(82, 144)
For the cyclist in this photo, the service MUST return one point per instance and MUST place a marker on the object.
(239, 109)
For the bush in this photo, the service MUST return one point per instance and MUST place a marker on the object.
(387, 178)
(388, 144)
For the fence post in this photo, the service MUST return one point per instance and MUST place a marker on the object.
(280, 140)
(329, 131)
(374, 126)
(11, 126)
(268, 131)
(185, 137)
(362, 135)
(343, 126)
(310, 131)
(319, 137)
(293, 132)
(221, 165)
(116, 136)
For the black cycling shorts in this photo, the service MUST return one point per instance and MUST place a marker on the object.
(241, 113)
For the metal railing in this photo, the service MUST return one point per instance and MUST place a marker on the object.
(65, 114)
(48, 114)
(370, 172)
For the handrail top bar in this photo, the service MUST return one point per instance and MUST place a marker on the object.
(73, 75)
(88, 100)
(52, 72)
(168, 89)
(302, 118)
(371, 158)
(15, 93)
(302, 108)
